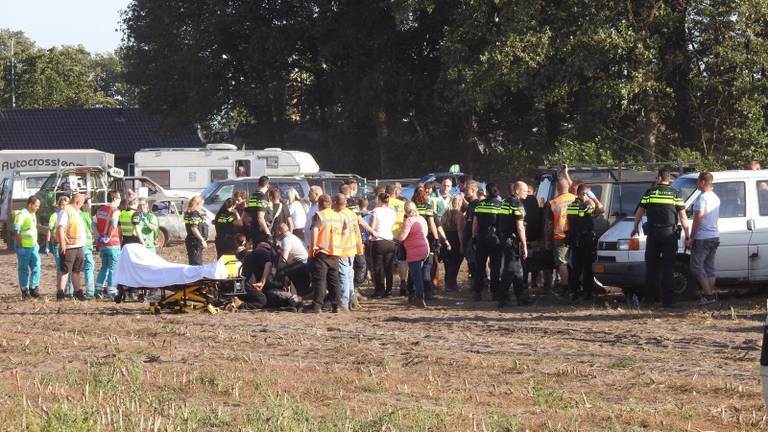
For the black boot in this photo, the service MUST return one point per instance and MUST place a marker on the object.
(313, 308)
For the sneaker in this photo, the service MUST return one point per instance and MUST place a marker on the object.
(34, 293)
(313, 308)
(707, 300)
(80, 295)
(60, 295)
(24, 294)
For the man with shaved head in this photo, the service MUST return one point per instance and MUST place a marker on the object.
(512, 229)
(70, 234)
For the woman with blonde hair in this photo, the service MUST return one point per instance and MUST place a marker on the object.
(453, 224)
(414, 238)
(197, 230)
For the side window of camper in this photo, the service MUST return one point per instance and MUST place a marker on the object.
(219, 174)
(163, 178)
(732, 199)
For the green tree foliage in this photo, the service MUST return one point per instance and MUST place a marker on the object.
(68, 76)
(398, 86)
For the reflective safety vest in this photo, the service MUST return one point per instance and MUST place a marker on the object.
(352, 239)
(559, 208)
(111, 233)
(53, 222)
(72, 233)
(126, 223)
(329, 233)
(25, 223)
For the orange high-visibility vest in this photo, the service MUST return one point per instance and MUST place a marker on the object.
(329, 233)
(72, 232)
(559, 208)
(352, 239)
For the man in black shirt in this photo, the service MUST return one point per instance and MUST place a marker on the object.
(257, 217)
(487, 239)
(257, 274)
(664, 208)
(581, 240)
(513, 236)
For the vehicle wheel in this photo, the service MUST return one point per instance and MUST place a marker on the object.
(162, 238)
(684, 284)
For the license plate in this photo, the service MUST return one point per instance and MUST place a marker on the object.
(599, 268)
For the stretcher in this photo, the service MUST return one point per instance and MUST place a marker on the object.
(176, 287)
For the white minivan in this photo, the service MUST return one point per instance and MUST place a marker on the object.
(743, 253)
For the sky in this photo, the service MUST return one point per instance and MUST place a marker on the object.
(91, 23)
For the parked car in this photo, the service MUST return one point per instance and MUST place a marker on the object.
(618, 188)
(743, 253)
(456, 177)
(170, 215)
(147, 187)
(330, 182)
(215, 194)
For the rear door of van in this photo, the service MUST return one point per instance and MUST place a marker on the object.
(758, 244)
(732, 261)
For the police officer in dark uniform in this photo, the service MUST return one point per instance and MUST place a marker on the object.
(487, 238)
(665, 210)
(258, 214)
(512, 229)
(581, 238)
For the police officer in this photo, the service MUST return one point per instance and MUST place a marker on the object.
(580, 237)
(258, 214)
(665, 209)
(129, 222)
(512, 229)
(487, 238)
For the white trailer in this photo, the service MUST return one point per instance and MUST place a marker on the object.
(194, 169)
(50, 160)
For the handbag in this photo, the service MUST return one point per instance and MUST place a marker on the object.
(399, 250)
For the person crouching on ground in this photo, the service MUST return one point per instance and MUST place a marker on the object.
(414, 238)
(293, 260)
(197, 230)
(27, 249)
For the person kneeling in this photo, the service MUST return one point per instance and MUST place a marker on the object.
(260, 289)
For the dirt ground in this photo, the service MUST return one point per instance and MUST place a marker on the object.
(457, 366)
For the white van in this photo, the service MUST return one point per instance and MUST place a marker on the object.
(743, 253)
(194, 169)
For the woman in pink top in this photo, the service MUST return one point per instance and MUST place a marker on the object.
(414, 238)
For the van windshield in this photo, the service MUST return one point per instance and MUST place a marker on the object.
(209, 190)
(686, 186)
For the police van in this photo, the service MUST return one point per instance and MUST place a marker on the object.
(743, 253)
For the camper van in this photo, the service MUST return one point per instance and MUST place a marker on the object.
(194, 169)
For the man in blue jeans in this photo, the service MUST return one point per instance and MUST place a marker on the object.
(705, 238)
(27, 249)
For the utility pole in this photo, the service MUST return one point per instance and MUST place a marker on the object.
(13, 76)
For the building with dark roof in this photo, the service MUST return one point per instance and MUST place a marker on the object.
(121, 131)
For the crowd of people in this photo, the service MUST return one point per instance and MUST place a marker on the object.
(325, 249)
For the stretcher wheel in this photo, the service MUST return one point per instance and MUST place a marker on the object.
(154, 308)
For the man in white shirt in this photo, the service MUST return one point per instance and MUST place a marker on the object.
(293, 261)
(443, 199)
(313, 195)
(705, 237)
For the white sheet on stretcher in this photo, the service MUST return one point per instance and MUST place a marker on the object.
(139, 267)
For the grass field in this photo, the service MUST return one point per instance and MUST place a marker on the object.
(457, 366)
